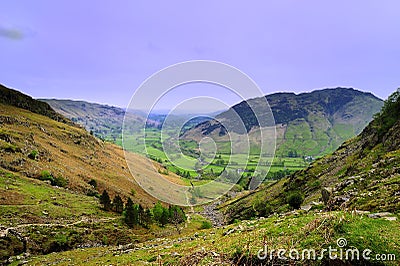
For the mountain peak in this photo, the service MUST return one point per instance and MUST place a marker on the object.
(315, 122)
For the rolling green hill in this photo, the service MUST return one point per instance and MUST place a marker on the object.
(307, 124)
(363, 174)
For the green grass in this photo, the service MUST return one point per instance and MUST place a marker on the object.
(28, 199)
(178, 163)
(305, 231)
(56, 219)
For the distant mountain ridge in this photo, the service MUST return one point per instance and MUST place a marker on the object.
(106, 121)
(312, 123)
(103, 120)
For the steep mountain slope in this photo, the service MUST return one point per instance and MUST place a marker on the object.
(39, 147)
(18, 99)
(103, 120)
(51, 173)
(363, 173)
(310, 124)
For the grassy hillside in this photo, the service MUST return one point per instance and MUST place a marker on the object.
(34, 145)
(51, 175)
(38, 218)
(239, 244)
(309, 124)
(18, 99)
(363, 174)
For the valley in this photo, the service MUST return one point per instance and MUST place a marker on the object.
(202, 133)
(308, 126)
(54, 173)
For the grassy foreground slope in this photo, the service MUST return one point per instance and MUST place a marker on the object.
(51, 172)
(239, 244)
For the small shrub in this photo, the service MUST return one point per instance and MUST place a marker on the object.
(92, 193)
(295, 199)
(205, 225)
(93, 183)
(46, 175)
(249, 213)
(59, 182)
(105, 240)
(163, 171)
(60, 242)
(268, 209)
(54, 181)
(33, 155)
(261, 208)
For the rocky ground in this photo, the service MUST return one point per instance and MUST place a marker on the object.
(213, 214)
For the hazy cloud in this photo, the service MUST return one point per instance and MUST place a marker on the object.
(11, 33)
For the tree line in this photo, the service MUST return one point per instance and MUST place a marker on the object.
(135, 215)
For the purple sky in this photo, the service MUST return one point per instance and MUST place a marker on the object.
(101, 51)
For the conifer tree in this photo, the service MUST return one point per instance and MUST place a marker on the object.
(118, 204)
(129, 213)
(105, 200)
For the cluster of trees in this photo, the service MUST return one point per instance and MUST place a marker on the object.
(293, 154)
(279, 174)
(219, 162)
(183, 173)
(135, 214)
(173, 214)
(154, 158)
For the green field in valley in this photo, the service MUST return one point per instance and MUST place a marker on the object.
(185, 160)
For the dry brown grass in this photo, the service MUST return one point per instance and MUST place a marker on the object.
(72, 153)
